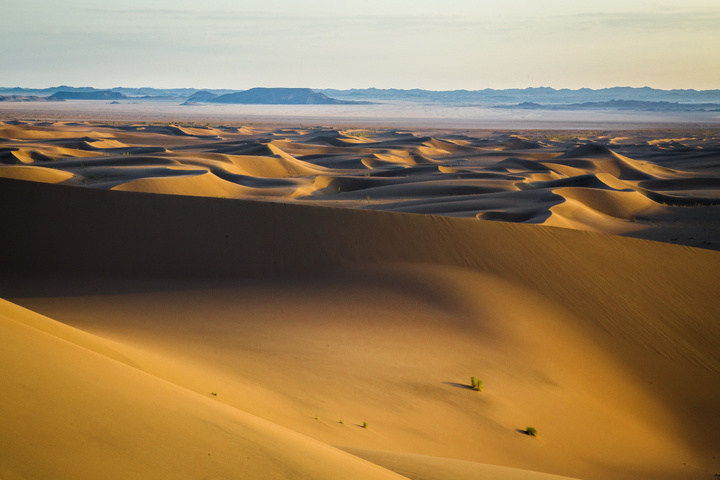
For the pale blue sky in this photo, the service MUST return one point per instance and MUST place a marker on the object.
(439, 45)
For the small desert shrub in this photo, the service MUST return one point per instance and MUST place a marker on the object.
(531, 431)
(364, 425)
(476, 384)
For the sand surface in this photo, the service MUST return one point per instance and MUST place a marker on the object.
(661, 184)
(265, 301)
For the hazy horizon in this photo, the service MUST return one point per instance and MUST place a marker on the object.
(460, 44)
(200, 88)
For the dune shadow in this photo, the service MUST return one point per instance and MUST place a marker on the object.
(458, 385)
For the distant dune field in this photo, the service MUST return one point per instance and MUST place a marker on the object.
(259, 301)
(658, 184)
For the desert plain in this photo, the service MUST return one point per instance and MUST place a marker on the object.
(264, 300)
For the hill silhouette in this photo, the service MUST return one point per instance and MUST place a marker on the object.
(278, 96)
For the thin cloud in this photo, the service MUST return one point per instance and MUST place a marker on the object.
(656, 20)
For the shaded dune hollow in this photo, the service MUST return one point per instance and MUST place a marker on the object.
(325, 318)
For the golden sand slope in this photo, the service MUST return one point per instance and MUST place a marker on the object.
(76, 408)
(319, 319)
(660, 185)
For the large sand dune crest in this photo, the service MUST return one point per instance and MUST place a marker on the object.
(403, 292)
(231, 239)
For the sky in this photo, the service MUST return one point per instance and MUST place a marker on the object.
(429, 44)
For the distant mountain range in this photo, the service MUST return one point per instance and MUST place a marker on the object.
(618, 98)
(270, 96)
(130, 92)
(543, 95)
(95, 95)
(27, 98)
(260, 96)
(634, 105)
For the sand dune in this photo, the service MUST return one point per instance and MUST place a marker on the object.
(420, 467)
(427, 274)
(601, 210)
(652, 185)
(78, 412)
(595, 158)
(147, 331)
(36, 174)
